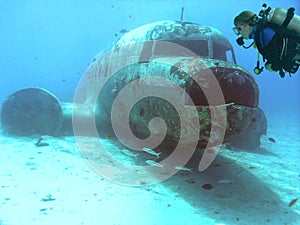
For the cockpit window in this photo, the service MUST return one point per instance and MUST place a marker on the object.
(160, 48)
(200, 48)
(223, 53)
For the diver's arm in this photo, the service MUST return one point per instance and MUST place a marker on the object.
(272, 48)
(268, 66)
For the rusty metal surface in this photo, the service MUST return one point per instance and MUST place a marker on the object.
(135, 57)
(238, 116)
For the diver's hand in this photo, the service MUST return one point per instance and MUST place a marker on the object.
(268, 66)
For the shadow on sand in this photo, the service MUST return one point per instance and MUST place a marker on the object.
(236, 197)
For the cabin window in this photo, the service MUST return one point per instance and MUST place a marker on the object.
(223, 53)
(168, 49)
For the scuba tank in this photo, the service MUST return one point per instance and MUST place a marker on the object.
(279, 15)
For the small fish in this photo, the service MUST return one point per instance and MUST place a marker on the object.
(122, 31)
(108, 137)
(151, 152)
(183, 168)
(48, 198)
(272, 140)
(129, 153)
(154, 164)
(114, 90)
(293, 202)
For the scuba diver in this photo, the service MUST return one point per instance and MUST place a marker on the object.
(276, 35)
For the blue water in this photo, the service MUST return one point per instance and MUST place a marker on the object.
(50, 44)
(44, 43)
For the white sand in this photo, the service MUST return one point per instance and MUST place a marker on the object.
(248, 187)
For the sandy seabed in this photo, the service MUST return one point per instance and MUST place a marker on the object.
(54, 185)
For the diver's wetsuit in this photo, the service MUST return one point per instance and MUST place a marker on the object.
(279, 46)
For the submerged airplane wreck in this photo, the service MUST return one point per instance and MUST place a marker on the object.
(184, 73)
